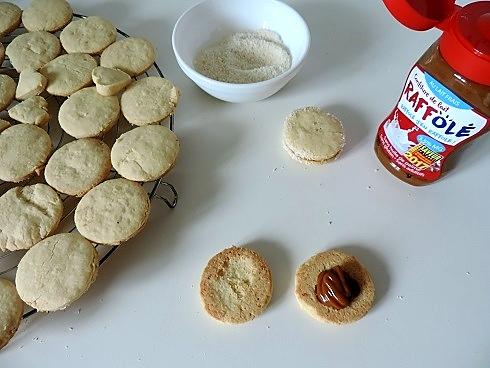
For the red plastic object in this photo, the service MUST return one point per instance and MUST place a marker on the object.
(465, 42)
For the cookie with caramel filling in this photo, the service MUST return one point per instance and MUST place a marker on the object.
(352, 294)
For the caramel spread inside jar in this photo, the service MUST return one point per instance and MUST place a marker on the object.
(335, 288)
(475, 94)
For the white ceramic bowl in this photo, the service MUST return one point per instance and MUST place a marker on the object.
(212, 20)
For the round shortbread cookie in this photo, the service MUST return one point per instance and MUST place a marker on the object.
(57, 271)
(236, 285)
(145, 153)
(88, 114)
(47, 15)
(306, 279)
(90, 35)
(149, 100)
(78, 166)
(11, 309)
(31, 83)
(113, 212)
(68, 73)
(28, 215)
(25, 149)
(10, 17)
(132, 55)
(109, 81)
(313, 136)
(4, 124)
(7, 91)
(34, 111)
(32, 50)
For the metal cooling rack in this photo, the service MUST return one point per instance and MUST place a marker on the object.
(9, 260)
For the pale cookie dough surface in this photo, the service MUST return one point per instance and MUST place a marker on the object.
(10, 17)
(88, 114)
(68, 73)
(31, 83)
(28, 215)
(7, 91)
(2, 53)
(109, 81)
(32, 50)
(131, 55)
(47, 15)
(56, 272)
(25, 149)
(236, 285)
(145, 153)
(149, 100)
(306, 279)
(34, 111)
(113, 211)
(90, 35)
(11, 309)
(313, 136)
(4, 124)
(78, 166)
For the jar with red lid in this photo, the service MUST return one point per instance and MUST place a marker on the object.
(445, 102)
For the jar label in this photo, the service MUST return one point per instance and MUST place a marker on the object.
(427, 125)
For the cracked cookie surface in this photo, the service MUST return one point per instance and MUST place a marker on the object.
(145, 153)
(113, 212)
(28, 215)
(88, 114)
(78, 166)
(57, 271)
(25, 149)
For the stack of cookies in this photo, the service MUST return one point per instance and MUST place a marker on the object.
(96, 79)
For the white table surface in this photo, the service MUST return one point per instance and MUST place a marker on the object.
(427, 248)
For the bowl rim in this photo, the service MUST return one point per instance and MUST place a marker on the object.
(203, 78)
